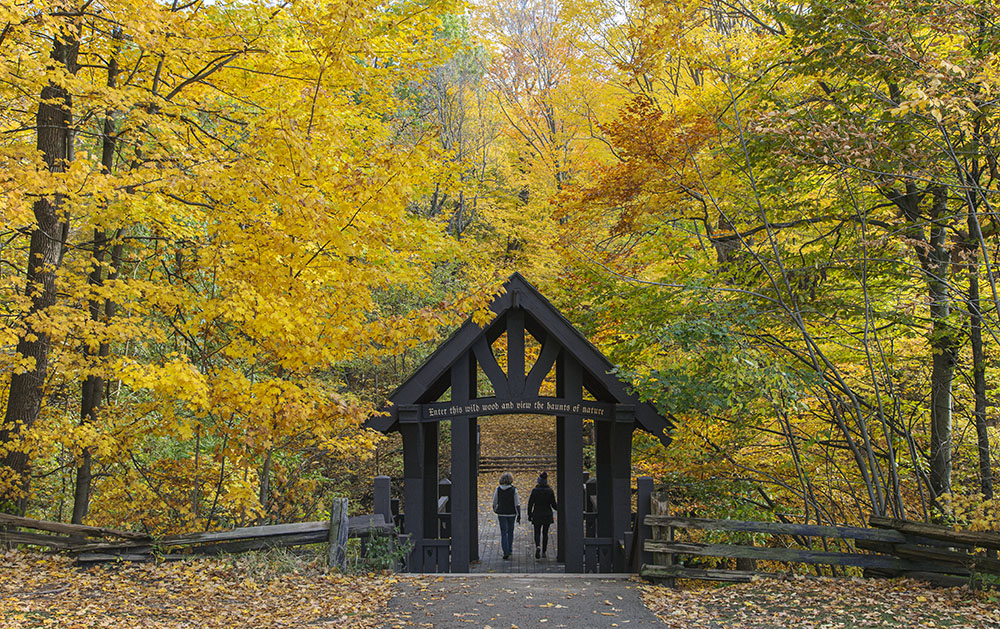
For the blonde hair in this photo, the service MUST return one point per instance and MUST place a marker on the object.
(506, 479)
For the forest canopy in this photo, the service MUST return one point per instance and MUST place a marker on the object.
(229, 229)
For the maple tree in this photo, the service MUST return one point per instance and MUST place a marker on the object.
(222, 202)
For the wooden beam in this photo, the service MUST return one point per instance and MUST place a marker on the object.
(778, 528)
(795, 555)
(261, 536)
(488, 362)
(546, 358)
(68, 529)
(979, 539)
(57, 542)
(515, 352)
(741, 576)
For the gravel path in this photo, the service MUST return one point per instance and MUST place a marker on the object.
(505, 602)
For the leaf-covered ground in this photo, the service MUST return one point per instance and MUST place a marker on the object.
(45, 591)
(826, 603)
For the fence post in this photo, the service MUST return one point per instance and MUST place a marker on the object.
(383, 498)
(644, 486)
(337, 549)
(660, 505)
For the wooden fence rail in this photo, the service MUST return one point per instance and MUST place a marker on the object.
(81, 541)
(896, 548)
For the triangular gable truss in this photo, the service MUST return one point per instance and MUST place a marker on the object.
(520, 311)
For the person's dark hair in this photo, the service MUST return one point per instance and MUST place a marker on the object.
(543, 478)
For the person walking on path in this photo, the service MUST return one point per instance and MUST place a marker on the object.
(507, 506)
(541, 504)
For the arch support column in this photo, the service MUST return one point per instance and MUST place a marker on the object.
(413, 483)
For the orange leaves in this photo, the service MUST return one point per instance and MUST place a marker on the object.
(45, 591)
(658, 163)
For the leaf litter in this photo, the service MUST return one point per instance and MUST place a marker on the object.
(824, 603)
(51, 591)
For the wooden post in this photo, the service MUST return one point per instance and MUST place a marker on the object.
(561, 488)
(337, 546)
(462, 505)
(383, 497)
(621, 484)
(431, 432)
(461, 479)
(474, 488)
(573, 455)
(660, 505)
(644, 484)
(413, 484)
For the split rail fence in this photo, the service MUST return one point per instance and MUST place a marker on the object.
(94, 544)
(890, 548)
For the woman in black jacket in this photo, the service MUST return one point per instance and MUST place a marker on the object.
(541, 504)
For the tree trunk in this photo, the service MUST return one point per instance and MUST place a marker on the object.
(943, 347)
(979, 368)
(265, 484)
(93, 387)
(24, 402)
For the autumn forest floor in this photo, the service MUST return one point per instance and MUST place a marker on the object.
(827, 603)
(276, 590)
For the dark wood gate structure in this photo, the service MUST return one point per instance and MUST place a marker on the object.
(417, 410)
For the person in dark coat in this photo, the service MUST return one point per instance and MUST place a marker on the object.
(507, 506)
(541, 504)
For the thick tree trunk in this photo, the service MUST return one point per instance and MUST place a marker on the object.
(24, 402)
(944, 348)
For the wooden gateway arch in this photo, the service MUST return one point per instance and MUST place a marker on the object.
(416, 411)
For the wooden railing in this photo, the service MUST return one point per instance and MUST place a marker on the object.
(92, 544)
(894, 548)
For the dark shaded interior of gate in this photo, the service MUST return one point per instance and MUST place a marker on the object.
(529, 360)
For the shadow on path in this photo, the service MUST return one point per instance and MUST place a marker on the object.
(502, 602)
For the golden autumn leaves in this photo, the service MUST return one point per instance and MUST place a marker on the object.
(246, 162)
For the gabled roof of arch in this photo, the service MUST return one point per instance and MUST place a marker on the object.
(556, 334)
